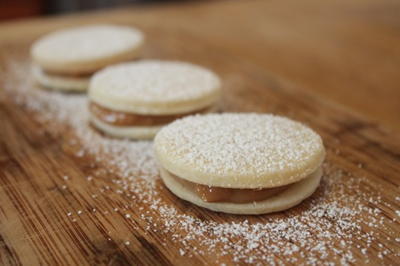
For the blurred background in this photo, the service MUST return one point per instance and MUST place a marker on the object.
(345, 50)
(14, 9)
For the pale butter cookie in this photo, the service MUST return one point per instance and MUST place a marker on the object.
(134, 100)
(66, 58)
(240, 163)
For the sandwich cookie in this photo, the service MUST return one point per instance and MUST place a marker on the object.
(134, 100)
(66, 59)
(240, 163)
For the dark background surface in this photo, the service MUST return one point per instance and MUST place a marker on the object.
(14, 9)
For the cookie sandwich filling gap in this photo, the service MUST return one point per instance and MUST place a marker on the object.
(232, 195)
(118, 118)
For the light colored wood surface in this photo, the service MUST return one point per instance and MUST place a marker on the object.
(319, 63)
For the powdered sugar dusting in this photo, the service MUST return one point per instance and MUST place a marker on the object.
(335, 226)
(88, 42)
(154, 81)
(240, 146)
(130, 158)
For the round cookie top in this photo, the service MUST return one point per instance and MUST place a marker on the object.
(239, 150)
(86, 48)
(154, 87)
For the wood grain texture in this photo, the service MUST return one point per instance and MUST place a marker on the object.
(314, 62)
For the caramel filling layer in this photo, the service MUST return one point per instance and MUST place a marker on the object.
(72, 75)
(234, 195)
(118, 118)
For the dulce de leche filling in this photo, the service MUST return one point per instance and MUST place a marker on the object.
(234, 195)
(118, 118)
(70, 75)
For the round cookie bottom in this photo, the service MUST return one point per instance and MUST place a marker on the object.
(61, 83)
(283, 201)
(140, 133)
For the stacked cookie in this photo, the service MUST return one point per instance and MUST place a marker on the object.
(240, 163)
(66, 59)
(234, 163)
(134, 100)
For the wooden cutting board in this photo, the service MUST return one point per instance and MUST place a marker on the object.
(70, 196)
